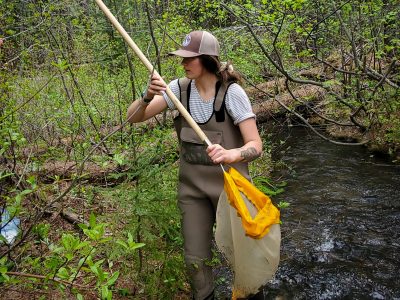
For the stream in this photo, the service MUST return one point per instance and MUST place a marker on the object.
(340, 234)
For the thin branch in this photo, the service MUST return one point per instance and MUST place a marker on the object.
(374, 74)
(324, 19)
(353, 118)
(28, 275)
(23, 32)
(341, 100)
(29, 100)
(276, 39)
(312, 109)
(74, 182)
(154, 40)
(351, 40)
(371, 72)
(383, 79)
(265, 52)
(336, 68)
(313, 129)
(80, 93)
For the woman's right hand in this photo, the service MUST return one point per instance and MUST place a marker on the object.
(151, 103)
(157, 87)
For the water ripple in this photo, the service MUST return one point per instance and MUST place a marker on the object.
(341, 234)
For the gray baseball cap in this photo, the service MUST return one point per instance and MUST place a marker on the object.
(198, 43)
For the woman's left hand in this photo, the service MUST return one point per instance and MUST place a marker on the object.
(219, 155)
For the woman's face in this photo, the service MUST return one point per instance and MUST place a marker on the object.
(193, 67)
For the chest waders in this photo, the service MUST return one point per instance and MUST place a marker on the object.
(200, 185)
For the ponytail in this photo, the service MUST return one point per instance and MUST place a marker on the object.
(228, 74)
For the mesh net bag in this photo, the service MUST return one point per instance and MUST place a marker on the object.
(248, 234)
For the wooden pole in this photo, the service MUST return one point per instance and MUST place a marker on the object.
(150, 67)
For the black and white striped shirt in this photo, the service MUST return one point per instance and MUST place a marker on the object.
(237, 103)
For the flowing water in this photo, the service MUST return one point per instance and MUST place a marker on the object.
(341, 233)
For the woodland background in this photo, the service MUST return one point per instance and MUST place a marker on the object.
(96, 198)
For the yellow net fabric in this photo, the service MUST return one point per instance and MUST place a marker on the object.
(267, 214)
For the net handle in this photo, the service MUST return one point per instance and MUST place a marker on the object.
(150, 67)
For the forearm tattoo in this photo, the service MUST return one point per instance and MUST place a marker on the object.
(249, 154)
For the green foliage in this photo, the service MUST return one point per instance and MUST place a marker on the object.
(74, 255)
(64, 87)
(267, 187)
(130, 245)
(3, 270)
(283, 204)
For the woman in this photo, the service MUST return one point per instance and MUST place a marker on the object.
(222, 110)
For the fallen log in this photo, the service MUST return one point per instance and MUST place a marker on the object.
(269, 108)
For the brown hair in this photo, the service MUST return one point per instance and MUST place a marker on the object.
(224, 71)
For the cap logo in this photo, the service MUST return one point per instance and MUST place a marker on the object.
(187, 40)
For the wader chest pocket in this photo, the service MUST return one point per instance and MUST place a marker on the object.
(193, 150)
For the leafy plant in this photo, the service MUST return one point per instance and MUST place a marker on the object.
(264, 184)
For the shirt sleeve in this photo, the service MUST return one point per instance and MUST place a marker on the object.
(174, 86)
(238, 104)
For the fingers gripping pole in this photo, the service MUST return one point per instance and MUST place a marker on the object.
(150, 67)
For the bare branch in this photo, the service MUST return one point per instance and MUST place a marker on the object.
(383, 79)
(74, 182)
(265, 52)
(312, 109)
(86, 287)
(28, 100)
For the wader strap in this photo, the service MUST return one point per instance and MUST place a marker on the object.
(184, 88)
(219, 103)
